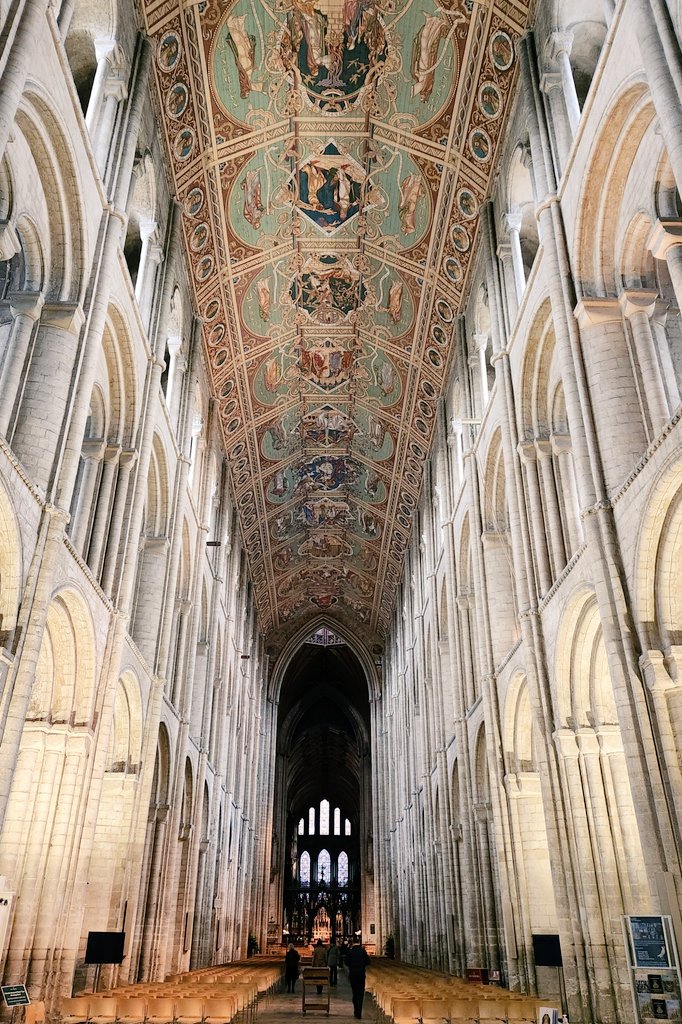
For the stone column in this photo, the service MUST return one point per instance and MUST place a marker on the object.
(40, 425)
(151, 257)
(126, 462)
(22, 53)
(638, 307)
(551, 84)
(25, 308)
(104, 50)
(93, 451)
(114, 92)
(509, 305)
(628, 848)
(602, 832)
(660, 52)
(595, 993)
(561, 447)
(481, 344)
(512, 222)
(483, 818)
(543, 448)
(665, 243)
(559, 48)
(661, 686)
(528, 456)
(103, 509)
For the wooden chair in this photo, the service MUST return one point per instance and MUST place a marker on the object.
(189, 1010)
(463, 1011)
(160, 1010)
(131, 1009)
(102, 1009)
(74, 1010)
(405, 1011)
(435, 1011)
(219, 1011)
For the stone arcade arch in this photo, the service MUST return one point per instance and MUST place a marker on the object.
(322, 735)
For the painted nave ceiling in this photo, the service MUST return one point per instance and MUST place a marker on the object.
(330, 157)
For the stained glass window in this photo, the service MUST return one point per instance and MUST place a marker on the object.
(337, 821)
(324, 866)
(347, 832)
(301, 827)
(324, 818)
(342, 870)
(311, 821)
(305, 868)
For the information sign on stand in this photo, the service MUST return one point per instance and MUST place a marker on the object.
(15, 995)
(654, 968)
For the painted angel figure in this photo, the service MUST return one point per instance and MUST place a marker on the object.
(411, 188)
(395, 301)
(243, 46)
(253, 203)
(425, 55)
(263, 289)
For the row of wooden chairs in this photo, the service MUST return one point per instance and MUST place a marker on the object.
(209, 996)
(405, 994)
(441, 1010)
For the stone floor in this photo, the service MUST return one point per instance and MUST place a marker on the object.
(286, 1007)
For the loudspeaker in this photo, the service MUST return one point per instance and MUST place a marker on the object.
(105, 948)
(547, 951)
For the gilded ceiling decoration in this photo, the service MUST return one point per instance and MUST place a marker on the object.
(330, 157)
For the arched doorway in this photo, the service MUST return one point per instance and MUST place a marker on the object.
(322, 860)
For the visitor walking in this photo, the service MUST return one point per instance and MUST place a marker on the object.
(356, 962)
(333, 957)
(291, 961)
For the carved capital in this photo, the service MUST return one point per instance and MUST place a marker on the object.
(565, 742)
(637, 300)
(561, 444)
(66, 316)
(558, 43)
(29, 304)
(527, 452)
(550, 80)
(512, 221)
(9, 241)
(595, 312)
(664, 236)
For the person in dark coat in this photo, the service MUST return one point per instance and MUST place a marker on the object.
(319, 959)
(333, 962)
(356, 962)
(291, 962)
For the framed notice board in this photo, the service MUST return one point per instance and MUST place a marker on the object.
(654, 968)
(15, 995)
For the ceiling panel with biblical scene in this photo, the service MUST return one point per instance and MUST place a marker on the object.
(331, 157)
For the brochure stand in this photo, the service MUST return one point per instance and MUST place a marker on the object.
(315, 977)
(654, 968)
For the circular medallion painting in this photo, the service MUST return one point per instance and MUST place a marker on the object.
(199, 237)
(176, 100)
(204, 268)
(212, 309)
(460, 238)
(501, 51)
(169, 51)
(480, 145)
(445, 311)
(194, 201)
(467, 203)
(184, 144)
(490, 100)
(453, 269)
